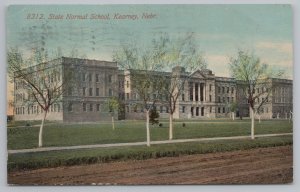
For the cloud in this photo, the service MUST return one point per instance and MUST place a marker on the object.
(282, 47)
(218, 64)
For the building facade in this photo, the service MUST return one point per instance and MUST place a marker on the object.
(202, 95)
(94, 82)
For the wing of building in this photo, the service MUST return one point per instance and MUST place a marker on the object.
(202, 95)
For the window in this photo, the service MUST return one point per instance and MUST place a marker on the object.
(97, 91)
(232, 89)
(219, 89)
(83, 91)
(219, 99)
(161, 109)
(182, 97)
(91, 91)
(127, 95)
(83, 77)
(210, 87)
(91, 107)
(228, 100)
(127, 84)
(223, 99)
(223, 89)
(98, 107)
(210, 109)
(227, 89)
(223, 109)
(183, 109)
(90, 77)
(219, 110)
(167, 109)
(109, 78)
(69, 90)
(110, 92)
(97, 77)
(70, 107)
(209, 98)
(135, 109)
(84, 107)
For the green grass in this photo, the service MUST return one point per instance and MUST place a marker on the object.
(59, 134)
(18, 162)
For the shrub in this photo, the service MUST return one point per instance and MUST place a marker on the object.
(91, 156)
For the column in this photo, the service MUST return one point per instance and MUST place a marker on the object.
(194, 99)
(199, 88)
(204, 92)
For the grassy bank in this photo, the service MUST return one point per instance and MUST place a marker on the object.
(58, 134)
(17, 162)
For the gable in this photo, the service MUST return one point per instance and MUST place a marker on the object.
(198, 74)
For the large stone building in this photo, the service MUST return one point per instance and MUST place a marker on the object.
(204, 95)
(95, 82)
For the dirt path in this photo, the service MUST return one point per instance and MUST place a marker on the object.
(264, 165)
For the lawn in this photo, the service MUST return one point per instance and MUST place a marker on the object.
(61, 134)
(24, 161)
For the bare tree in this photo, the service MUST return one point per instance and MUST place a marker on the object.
(233, 106)
(253, 74)
(112, 105)
(42, 84)
(183, 57)
(142, 66)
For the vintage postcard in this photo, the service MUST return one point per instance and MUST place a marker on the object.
(149, 94)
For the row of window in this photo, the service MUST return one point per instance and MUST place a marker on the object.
(282, 100)
(225, 89)
(35, 109)
(97, 78)
(91, 91)
(224, 100)
(135, 109)
(86, 107)
(20, 97)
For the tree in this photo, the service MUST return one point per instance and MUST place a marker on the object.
(233, 107)
(183, 57)
(142, 66)
(43, 83)
(253, 74)
(154, 115)
(112, 105)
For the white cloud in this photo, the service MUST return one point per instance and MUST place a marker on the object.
(282, 47)
(218, 64)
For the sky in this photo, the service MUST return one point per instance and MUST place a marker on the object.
(220, 30)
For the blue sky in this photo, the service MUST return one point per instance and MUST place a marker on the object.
(220, 30)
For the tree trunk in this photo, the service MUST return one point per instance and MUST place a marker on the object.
(148, 128)
(170, 126)
(41, 130)
(113, 122)
(232, 114)
(259, 118)
(252, 122)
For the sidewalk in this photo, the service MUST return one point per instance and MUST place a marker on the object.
(43, 149)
